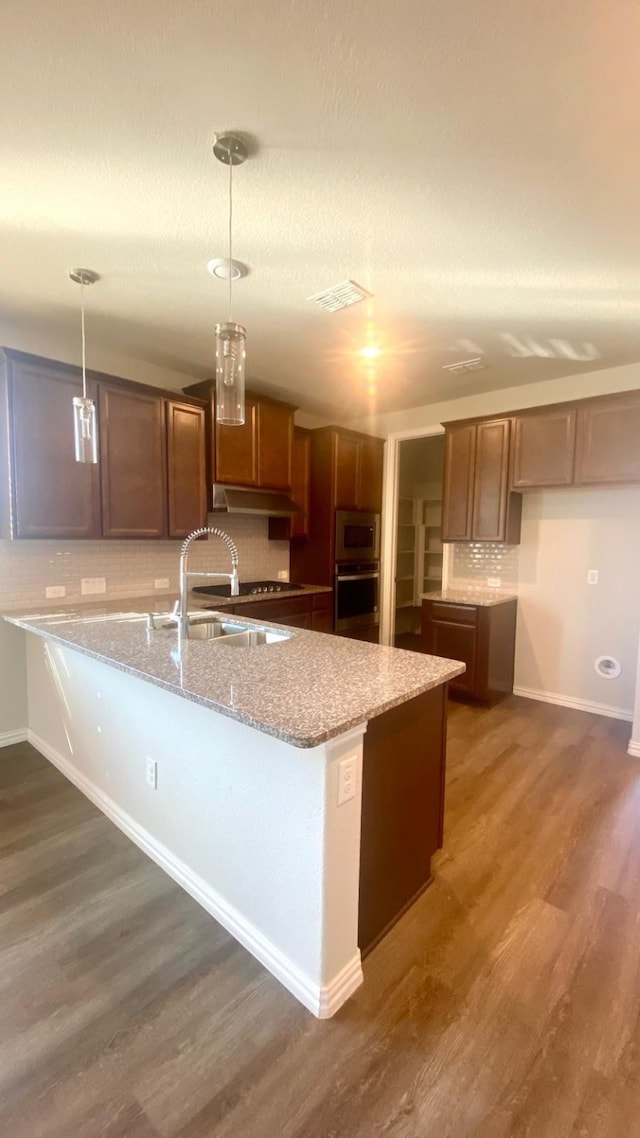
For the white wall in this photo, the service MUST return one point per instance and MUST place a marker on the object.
(417, 420)
(564, 624)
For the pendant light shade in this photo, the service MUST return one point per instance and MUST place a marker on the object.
(230, 356)
(85, 429)
(231, 338)
(85, 423)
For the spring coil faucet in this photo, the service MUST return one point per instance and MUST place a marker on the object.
(180, 610)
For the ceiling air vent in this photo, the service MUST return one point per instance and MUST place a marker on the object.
(339, 296)
(476, 364)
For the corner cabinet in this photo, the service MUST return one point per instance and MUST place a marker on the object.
(477, 501)
(608, 441)
(149, 481)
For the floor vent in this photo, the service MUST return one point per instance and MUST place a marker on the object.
(340, 296)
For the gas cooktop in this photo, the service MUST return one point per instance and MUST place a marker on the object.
(247, 588)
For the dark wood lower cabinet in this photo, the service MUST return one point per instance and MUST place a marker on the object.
(481, 636)
(402, 809)
(310, 610)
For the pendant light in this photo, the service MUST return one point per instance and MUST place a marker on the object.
(85, 427)
(231, 338)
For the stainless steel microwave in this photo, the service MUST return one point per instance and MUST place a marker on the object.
(357, 535)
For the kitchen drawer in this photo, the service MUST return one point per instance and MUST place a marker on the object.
(454, 613)
(283, 610)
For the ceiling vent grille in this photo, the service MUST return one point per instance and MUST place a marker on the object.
(340, 296)
(476, 364)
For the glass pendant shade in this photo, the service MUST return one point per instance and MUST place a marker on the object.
(85, 429)
(231, 342)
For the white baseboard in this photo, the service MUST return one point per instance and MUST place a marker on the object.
(323, 1000)
(8, 738)
(634, 748)
(579, 704)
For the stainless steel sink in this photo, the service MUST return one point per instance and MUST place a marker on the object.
(235, 634)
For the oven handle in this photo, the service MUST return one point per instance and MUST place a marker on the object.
(356, 576)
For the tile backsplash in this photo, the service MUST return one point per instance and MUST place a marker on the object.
(132, 567)
(473, 563)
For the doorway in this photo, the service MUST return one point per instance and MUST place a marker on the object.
(419, 550)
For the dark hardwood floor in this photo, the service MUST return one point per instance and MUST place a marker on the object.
(505, 1004)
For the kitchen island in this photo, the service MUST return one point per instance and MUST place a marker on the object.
(250, 774)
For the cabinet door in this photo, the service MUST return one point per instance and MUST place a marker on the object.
(371, 461)
(544, 445)
(283, 610)
(186, 475)
(283, 529)
(457, 505)
(456, 642)
(236, 449)
(608, 441)
(132, 463)
(53, 495)
(347, 453)
(275, 443)
(491, 480)
(322, 612)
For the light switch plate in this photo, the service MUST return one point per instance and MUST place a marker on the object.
(93, 585)
(592, 576)
(494, 582)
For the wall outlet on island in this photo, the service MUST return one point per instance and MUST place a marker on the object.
(93, 585)
(152, 773)
(346, 779)
(161, 583)
(52, 591)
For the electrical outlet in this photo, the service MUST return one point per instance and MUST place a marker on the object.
(152, 773)
(283, 575)
(55, 591)
(494, 582)
(93, 585)
(347, 779)
(161, 583)
(592, 576)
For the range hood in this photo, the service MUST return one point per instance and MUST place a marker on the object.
(268, 503)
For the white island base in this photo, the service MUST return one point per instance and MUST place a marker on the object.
(249, 825)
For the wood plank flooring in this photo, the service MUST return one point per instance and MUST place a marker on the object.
(505, 1004)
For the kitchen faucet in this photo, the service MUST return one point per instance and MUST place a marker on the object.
(180, 609)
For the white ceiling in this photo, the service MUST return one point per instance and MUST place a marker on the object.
(475, 165)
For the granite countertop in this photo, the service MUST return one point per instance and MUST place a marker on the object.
(470, 596)
(304, 690)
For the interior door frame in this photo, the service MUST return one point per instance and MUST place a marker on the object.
(390, 528)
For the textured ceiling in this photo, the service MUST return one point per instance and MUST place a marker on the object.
(475, 165)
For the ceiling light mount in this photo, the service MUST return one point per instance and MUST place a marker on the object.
(84, 276)
(224, 269)
(230, 148)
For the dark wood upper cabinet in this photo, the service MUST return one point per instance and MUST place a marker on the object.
(457, 504)
(234, 453)
(477, 502)
(52, 495)
(544, 448)
(284, 529)
(186, 468)
(608, 440)
(346, 458)
(132, 463)
(491, 481)
(275, 445)
(370, 473)
(257, 454)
